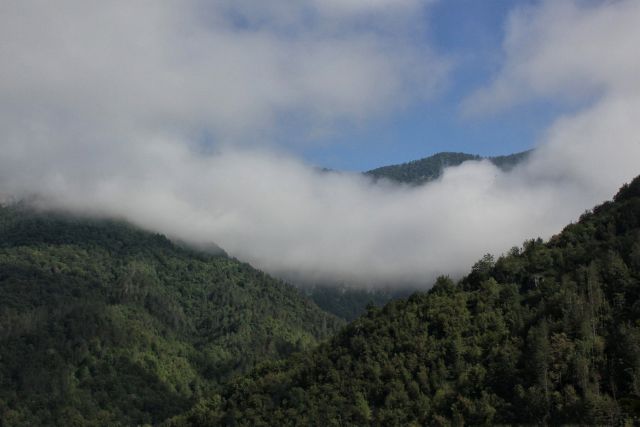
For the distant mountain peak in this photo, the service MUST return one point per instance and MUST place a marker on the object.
(431, 168)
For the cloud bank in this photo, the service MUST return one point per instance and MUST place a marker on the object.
(110, 108)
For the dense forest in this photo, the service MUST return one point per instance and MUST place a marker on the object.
(350, 303)
(548, 333)
(430, 168)
(104, 324)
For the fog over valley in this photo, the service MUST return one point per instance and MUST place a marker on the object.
(173, 118)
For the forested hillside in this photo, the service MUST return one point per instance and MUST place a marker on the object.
(350, 303)
(431, 168)
(105, 324)
(549, 333)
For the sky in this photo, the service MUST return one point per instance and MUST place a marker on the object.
(207, 121)
(469, 34)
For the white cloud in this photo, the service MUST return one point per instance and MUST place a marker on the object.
(102, 107)
(184, 66)
(565, 49)
(577, 51)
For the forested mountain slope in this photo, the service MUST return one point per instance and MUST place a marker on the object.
(105, 324)
(549, 333)
(350, 303)
(431, 168)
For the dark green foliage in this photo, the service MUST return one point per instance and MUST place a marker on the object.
(548, 334)
(431, 168)
(349, 304)
(509, 161)
(104, 324)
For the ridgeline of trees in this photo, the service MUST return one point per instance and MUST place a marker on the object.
(104, 324)
(430, 168)
(549, 333)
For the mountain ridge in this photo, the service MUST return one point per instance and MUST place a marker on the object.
(430, 168)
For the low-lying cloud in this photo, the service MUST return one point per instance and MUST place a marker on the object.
(110, 109)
